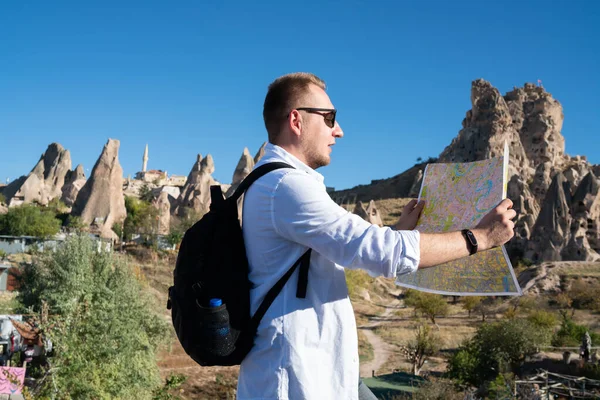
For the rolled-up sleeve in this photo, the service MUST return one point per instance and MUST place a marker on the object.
(303, 212)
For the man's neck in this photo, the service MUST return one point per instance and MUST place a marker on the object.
(293, 150)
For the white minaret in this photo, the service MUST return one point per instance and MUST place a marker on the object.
(145, 159)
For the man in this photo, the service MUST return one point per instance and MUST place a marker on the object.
(308, 348)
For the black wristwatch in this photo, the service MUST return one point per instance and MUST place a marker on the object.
(471, 241)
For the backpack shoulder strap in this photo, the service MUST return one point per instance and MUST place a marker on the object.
(255, 174)
(304, 262)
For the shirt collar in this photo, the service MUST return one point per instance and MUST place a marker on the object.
(274, 152)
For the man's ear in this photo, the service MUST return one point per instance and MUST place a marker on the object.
(295, 122)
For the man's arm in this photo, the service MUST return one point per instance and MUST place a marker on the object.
(494, 229)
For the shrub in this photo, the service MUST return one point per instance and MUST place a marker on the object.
(469, 303)
(424, 345)
(141, 217)
(570, 333)
(103, 326)
(585, 295)
(439, 389)
(498, 347)
(29, 220)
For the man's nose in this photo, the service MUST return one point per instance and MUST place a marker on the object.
(337, 130)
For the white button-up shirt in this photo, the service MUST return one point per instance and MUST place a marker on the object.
(308, 348)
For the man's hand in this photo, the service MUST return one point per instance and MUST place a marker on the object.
(496, 227)
(410, 216)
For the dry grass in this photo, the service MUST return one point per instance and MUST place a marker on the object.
(365, 350)
(591, 270)
(391, 209)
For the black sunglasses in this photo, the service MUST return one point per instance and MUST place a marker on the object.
(329, 115)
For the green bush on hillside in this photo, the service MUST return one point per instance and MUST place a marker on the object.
(29, 220)
(496, 348)
(141, 218)
(571, 334)
(103, 327)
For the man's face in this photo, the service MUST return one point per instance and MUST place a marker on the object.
(317, 137)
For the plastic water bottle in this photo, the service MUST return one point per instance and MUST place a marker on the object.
(218, 328)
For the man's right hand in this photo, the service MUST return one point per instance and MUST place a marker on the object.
(496, 227)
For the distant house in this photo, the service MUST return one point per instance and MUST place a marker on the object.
(8, 277)
(21, 244)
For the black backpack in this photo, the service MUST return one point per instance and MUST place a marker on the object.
(210, 297)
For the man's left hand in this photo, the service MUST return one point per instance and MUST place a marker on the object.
(410, 216)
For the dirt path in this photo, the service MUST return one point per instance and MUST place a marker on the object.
(381, 349)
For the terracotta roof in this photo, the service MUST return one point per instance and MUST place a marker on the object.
(29, 334)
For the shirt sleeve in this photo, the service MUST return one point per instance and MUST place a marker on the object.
(303, 212)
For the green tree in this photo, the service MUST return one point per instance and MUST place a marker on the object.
(29, 220)
(570, 333)
(498, 347)
(141, 218)
(145, 193)
(432, 306)
(75, 224)
(102, 324)
(470, 302)
(2, 199)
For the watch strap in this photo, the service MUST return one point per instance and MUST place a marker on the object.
(472, 244)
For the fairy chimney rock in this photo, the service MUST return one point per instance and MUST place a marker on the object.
(260, 153)
(373, 214)
(74, 181)
(243, 168)
(360, 210)
(100, 201)
(163, 205)
(44, 182)
(195, 194)
(551, 231)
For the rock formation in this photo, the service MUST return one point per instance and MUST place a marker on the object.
(242, 170)
(196, 192)
(551, 230)
(163, 204)
(100, 202)
(486, 127)
(45, 180)
(74, 181)
(260, 153)
(373, 214)
(360, 210)
(416, 186)
(585, 212)
(370, 214)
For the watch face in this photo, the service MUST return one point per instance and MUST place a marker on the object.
(472, 238)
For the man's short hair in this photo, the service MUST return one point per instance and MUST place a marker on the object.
(282, 96)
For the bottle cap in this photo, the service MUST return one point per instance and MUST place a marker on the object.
(215, 302)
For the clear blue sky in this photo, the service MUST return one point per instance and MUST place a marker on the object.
(189, 77)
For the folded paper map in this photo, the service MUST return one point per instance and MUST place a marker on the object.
(456, 197)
